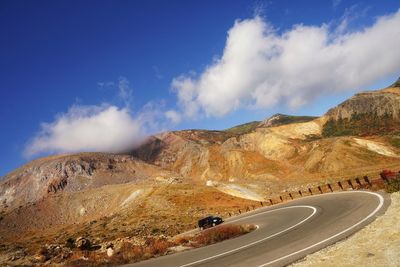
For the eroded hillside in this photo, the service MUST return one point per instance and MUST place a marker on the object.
(174, 178)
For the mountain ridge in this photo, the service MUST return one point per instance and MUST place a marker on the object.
(180, 176)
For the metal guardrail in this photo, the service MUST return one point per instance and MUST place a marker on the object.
(342, 185)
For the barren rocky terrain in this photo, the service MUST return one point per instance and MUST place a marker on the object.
(163, 187)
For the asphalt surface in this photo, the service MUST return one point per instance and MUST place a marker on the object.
(286, 232)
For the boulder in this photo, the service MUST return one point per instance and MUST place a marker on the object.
(83, 243)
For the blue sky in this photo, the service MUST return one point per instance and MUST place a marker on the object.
(62, 62)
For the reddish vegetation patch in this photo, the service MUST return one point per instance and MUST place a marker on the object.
(133, 253)
(125, 253)
(129, 252)
(221, 233)
(388, 174)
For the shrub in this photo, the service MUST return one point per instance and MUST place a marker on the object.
(155, 231)
(395, 141)
(153, 247)
(43, 251)
(362, 125)
(221, 233)
(129, 252)
(392, 180)
(70, 243)
(158, 247)
(387, 174)
(86, 259)
(181, 241)
(393, 185)
(126, 253)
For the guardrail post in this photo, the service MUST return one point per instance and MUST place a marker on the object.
(367, 180)
(300, 193)
(358, 182)
(290, 195)
(309, 190)
(262, 205)
(350, 183)
(270, 201)
(320, 189)
(340, 185)
(330, 187)
(280, 197)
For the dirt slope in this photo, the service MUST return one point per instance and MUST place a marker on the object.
(72, 173)
(174, 178)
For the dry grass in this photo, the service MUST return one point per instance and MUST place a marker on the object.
(129, 252)
(158, 247)
(181, 241)
(126, 253)
(221, 233)
(153, 217)
(86, 259)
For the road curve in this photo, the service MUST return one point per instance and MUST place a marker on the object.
(286, 232)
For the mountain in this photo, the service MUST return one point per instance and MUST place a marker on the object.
(366, 113)
(282, 119)
(73, 173)
(396, 84)
(244, 128)
(163, 186)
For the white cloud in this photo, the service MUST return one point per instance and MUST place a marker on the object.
(351, 15)
(88, 128)
(102, 128)
(122, 87)
(260, 68)
(173, 116)
(124, 91)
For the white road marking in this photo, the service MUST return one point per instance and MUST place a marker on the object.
(261, 240)
(381, 201)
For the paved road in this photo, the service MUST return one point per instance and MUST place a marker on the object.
(287, 232)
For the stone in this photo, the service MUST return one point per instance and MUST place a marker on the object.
(110, 251)
(82, 243)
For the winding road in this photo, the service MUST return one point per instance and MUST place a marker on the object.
(286, 232)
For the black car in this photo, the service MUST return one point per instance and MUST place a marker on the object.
(209, 221)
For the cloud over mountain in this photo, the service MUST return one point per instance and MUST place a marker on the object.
(88, 128)
(102, 128)
(260, 67)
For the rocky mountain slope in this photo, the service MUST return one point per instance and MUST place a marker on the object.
(366, 113)
(380, 103)
(174, 178)
(73, 173)
(281, 119)
(244, 128)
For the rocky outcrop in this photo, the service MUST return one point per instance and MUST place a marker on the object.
(367, 113)
(83, 243)
(282, 119)
(73, 173)
(184, 152)
(57, 185)
(379, 103)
